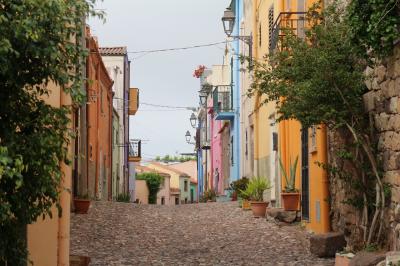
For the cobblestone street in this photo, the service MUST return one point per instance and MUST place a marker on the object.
(194, 234)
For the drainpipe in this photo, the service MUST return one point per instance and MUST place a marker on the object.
(96, 189)
(110, 143)
(65, 198)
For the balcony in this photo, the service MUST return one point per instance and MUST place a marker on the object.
(133, 101)
(223, 102)
(135, 150)
(287, 22)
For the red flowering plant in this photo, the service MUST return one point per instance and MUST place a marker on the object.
(199, 71)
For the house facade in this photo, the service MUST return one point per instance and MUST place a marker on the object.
(100, 112)
(118, 66)
(164, 194)
(116, 155)
(179, 181)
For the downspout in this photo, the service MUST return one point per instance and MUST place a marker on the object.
(65, 196)
(110, 143)
(96, 189)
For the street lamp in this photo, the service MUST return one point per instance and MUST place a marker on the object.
(188, 136)
(228, 21)
(203, 97)
(193, 120)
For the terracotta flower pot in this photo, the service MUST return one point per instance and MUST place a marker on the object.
(246, 205)
(259, 208)
(291, 201)
(81, 206)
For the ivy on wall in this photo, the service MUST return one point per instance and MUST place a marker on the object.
(374, 25)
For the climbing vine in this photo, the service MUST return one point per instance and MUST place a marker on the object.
(374, 24)
(153, 181)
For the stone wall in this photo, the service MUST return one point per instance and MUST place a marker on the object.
(344, 217)
(382, 102)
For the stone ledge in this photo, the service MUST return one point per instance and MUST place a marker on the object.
(326, 245)
(365, 258)
(282, 215)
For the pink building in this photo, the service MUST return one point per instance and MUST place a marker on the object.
(217, 180)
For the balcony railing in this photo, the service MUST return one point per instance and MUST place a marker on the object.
(135, 150)
(223, 102)
(294, 22)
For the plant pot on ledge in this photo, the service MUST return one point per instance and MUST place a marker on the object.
(255, 192)
(290, 196)
(259, 208)
(246, 205)
(290, 201)
(81, 205)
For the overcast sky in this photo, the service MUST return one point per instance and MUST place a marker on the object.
(163, 78)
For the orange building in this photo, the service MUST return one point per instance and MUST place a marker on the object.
(99, 122)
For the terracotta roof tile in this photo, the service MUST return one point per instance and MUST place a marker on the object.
(168, 168)
(113, 50)
(145, 169)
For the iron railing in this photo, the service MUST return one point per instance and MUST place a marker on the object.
(294, 22)
(223, 99)
(135, 148)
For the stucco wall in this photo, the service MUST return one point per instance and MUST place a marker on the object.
(142, 192)
(164, 192)
(115, 68)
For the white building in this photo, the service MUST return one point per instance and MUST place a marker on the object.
(118, 66)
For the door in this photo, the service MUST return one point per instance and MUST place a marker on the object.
(305, 181)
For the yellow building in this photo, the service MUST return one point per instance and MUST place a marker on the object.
(287, 139)
(48, 239)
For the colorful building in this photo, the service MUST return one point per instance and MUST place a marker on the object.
(118, 66)
(48, 239)
(116, 159)
(100, 112)
(288, 139)
(179, 180)
(189, 168)
(164, 194)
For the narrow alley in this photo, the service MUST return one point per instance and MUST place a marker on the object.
(194, 234)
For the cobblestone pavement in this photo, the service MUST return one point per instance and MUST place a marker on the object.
(194, 234)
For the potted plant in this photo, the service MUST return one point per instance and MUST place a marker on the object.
(237, 187)
(255, 190)
(82, 204)
(245, 196)
(290, 195)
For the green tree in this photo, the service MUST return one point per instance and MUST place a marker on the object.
(40, 43)
(153, 181)
(318, 80)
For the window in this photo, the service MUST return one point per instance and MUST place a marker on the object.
(246, 147)
(270, 25)
(162, 200)
(275, 141)
(101, 100)
(259, 35)
(176, 201)
(231, 150)
(185, 185)
(313, 136)
(90, 151)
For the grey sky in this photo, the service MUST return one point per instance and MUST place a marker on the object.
(163, 78)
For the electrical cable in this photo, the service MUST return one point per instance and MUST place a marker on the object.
(178, 48)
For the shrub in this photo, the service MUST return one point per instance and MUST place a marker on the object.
(153, 181)
(209, 195)
(124, 197)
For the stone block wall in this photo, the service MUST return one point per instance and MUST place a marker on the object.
(382, 101)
